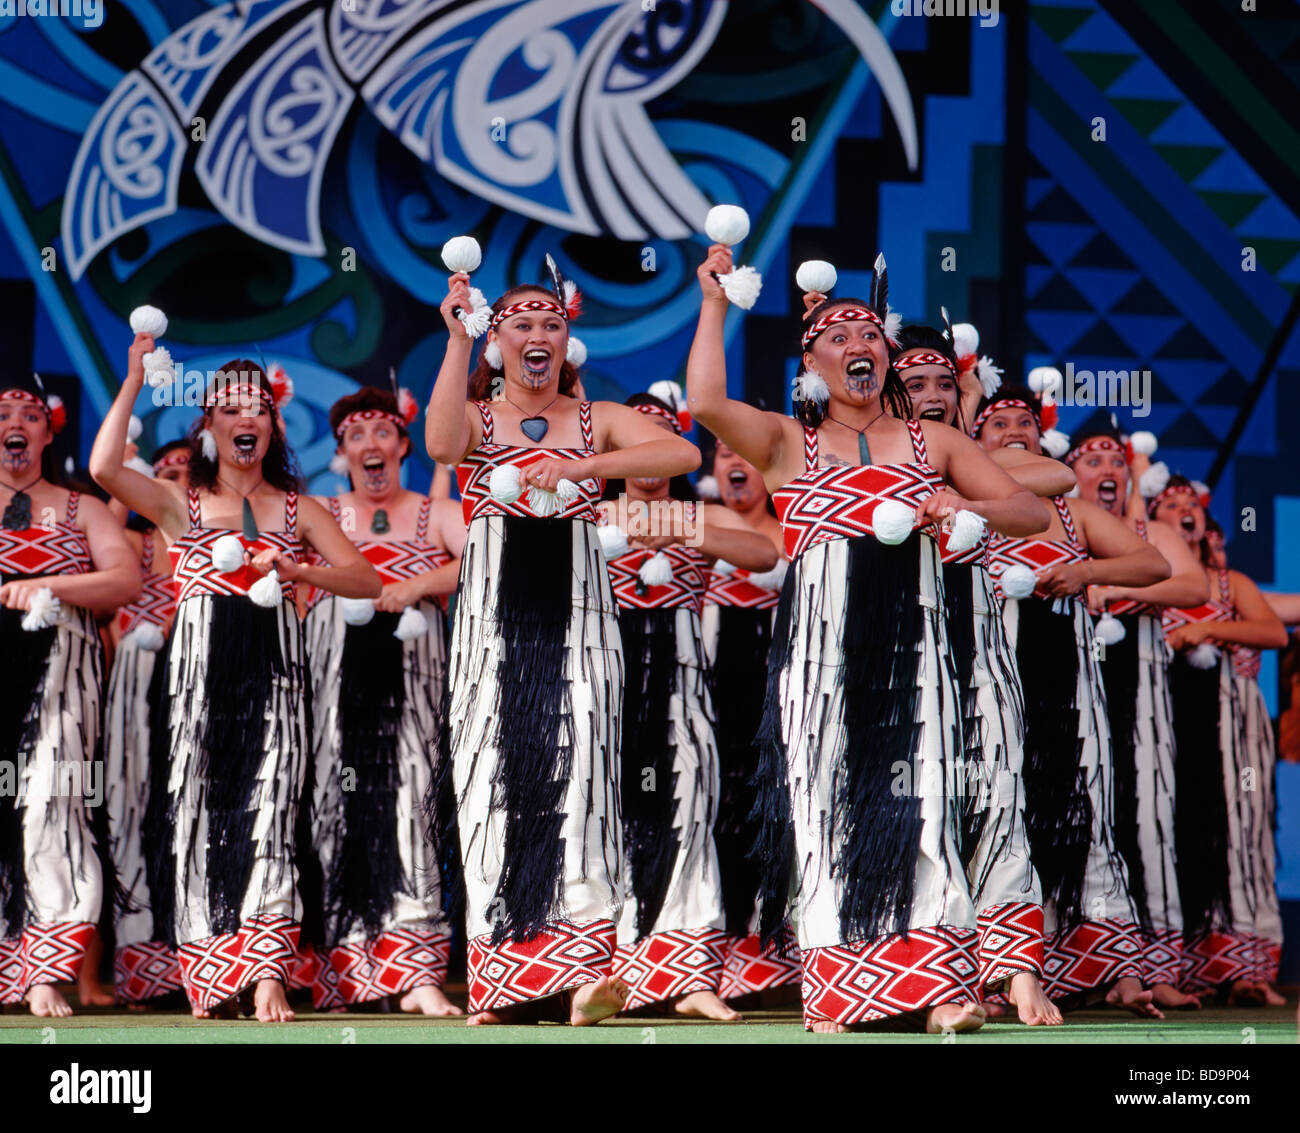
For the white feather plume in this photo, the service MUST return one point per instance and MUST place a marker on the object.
(1154, 480)
(809, 385)
(989, 375)
(42, 612)
(893, 324)
(208, 444)
(411, 624)
(741, 286)
(266, 590)
(1055, 443)
(479, 316)
(575, 351)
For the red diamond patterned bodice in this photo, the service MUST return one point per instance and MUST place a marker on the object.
(474, 473)
(157, 601)
(687, 588)
(838, 502)
(192, 570)
(735, 589)
(40, 550)
(1036, 553)
(976, 554)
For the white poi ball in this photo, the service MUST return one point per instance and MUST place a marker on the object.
(1018, 581)
(1045, 379)
(1144, 442)
(462, 253)
(1204, 656)
(134, 428)
(816, 275)
(505, 484)
(357, 611)
(892, 521)
(1110, 630)
(148, 636)
(613, 540)
(228, 554)
(411, 624)
(726, 224)
(148, 320)
(965, 339)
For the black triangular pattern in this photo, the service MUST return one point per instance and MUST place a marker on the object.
(1101, 252)
(1059, 294)
(1189, 343)
(1189, 431)
(1059, 207)
(1144, 298)
(1162, 393)
(1102, 341)
(1231, 389)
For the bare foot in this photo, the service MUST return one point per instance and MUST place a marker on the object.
(1031, 1001)
(200, 1012)
(1245, 993)
(428, 1000)
(1129, 993)
(1272, 997)
(271, 1004)
(994, 1010)
(46, 1000)
(957, 1017)
(483, 1019)
(828, 1027)
(90, 992)
(1166, 995)
(705, 1005)
(597, 1000)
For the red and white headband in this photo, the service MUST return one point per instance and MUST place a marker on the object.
(525, 306)
(1202, 498)
(918, 357)
(659, 411)
(409, 410)
(55, 414)
(840, 315)
(1001, 403)
(1097, 444)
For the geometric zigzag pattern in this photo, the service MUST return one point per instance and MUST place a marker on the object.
(892, 975)
(1162, 957)
(1092, 954)
(749, 967)
(145, 971)
(668, 964)
(1216, 958)
(44, 954)
(562, 956)
(1011, 941)
(390, 963)
(218, 967)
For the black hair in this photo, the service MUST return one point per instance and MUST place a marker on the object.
(169, 447)
(1012, 391)
(918, 336)
(892, 393)
(279, 466)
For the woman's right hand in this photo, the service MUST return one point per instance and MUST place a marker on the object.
(718, 262)
(457, 296)
(142, 345)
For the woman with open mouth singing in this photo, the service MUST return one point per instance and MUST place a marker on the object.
(236, 677)
(1223, 818)
(1135, 670)
(63, 559)
(535, 669)
(1090, 921)
(377, 680)
(861, 731)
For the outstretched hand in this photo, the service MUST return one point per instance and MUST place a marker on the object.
(718, 262)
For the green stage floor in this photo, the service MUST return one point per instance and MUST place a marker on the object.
(1213, 1025)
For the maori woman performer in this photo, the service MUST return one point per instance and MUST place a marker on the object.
(1219, 796)
(1004, 887)
(860, 683)
(671, 939)
(63, 559)
(135, 762)
(377, 681)
(1089, 918)
(236, 678)
(535, 666)
(739, 608)
(1135, 669)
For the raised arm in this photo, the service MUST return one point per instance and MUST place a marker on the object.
(158, 500)
(449, 427)
(1285, 606)
(755, 434)
(724, 535)
(1040, 474)
(981, 486)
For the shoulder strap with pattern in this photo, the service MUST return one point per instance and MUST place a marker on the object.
(291, 513)
(1067, 520)
(810, 449)
(196, 508)
(146, 553)
(1140, 526)
(74, 498)
(486, 414)
(584, 419)
(1225, 585)
(917, 434)
(336, 509)
(422, 521)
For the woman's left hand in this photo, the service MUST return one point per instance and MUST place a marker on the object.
(285, 566)
(1064, 580)
(398, 595)
(1190, 635)
(548, 473)
(17, 595)
(943, 504)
